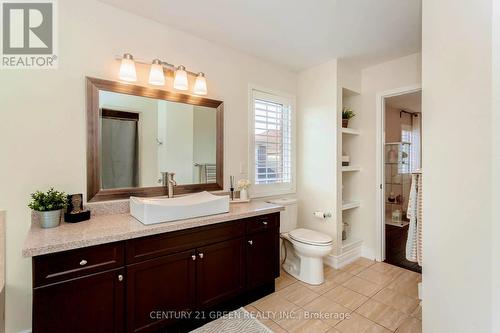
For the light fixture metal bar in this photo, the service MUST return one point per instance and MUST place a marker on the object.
(165, 64)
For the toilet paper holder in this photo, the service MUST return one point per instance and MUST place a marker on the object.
(322, 215)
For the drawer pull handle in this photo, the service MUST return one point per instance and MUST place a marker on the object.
(193, 257)
(200, 255)
(264, 222)
(250, 242)
(120, 278)
(83, 262)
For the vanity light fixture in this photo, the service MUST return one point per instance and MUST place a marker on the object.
(127, 68)
(200, 85)
(181, 79)
(156, 76)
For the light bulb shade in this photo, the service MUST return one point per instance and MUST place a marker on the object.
(200, 85)
(156, 76)
(181, 79)
(127, 68)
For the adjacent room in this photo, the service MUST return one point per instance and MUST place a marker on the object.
(249, 166)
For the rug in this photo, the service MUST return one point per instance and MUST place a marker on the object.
(240, 321)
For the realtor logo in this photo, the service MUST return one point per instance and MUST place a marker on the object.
(28, 34)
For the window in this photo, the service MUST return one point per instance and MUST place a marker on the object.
(404, 165)
(272, 148)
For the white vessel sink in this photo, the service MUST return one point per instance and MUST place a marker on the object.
(158, 210)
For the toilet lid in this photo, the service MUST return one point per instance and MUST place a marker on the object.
(310, 236)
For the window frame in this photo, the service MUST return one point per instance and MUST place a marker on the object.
(265, 190)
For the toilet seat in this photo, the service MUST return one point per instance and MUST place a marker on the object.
(310, 237)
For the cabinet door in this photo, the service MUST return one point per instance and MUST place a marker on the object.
(92, 303)
(158, 290)
(262, 258)
(220, 272)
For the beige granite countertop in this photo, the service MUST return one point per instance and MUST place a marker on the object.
(103, 229)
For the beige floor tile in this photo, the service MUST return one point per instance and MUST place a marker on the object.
(418, 313)
(382, 314)
(346, 297)
(284, 280)
(359, 324)
(322, 288)
(353, 268)
(259, 315)
(298, 294)
(405, 285)
(362, 286)
(332, 330)
(398, 301)
(275, 328)
(410, 325)
(365, 262)
(376, 277)
(388, 269)
(327, 310)
(337, 276)
(274, 304)
(310, 326)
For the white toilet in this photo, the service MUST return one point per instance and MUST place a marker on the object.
(304, 248)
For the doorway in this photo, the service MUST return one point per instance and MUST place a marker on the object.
(399, 157)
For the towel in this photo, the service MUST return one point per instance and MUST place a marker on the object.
(412, 214)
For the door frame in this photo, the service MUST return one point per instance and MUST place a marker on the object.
(380, 159)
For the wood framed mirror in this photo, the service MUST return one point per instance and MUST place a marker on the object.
(136, 133)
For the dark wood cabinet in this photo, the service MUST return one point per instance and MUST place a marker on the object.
(94, 303)
(151, 283)
(261, 264)
(220, 272)
(159, 288)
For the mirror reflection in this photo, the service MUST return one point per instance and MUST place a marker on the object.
(141, 138)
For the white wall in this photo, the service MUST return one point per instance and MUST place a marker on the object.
(317, 145)
(42, 122)
(178, 142)
(457, 166)
(397, 73)
(495, 198)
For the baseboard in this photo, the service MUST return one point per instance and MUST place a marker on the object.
(344, 259)
(368, 253)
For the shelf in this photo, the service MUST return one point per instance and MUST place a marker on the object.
(350, 204)
(393, 203)
(397, 224)
(351, 131)
(350, 243)
(350, 168)
(397, 143)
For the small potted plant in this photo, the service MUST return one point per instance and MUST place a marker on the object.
(243, 185)
(49, 206)
(347, 114)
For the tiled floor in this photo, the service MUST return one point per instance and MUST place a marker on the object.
(363, 297)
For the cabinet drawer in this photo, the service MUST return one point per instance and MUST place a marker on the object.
(262, 223)
(155, 246)
(61, 266)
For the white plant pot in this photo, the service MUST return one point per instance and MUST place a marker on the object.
(50, 219)
(244, 194)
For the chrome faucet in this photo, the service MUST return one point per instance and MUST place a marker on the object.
(170, 183)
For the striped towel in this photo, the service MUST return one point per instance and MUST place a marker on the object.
(412, 214)
(419, 219)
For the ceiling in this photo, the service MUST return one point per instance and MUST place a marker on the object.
(408, 102)
(295, 33)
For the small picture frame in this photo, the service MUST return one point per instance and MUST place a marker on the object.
(74, 211)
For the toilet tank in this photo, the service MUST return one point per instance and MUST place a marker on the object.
(288, 218)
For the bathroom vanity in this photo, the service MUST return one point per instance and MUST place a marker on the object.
(113, 274)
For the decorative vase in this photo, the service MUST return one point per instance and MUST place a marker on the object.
(243, 194)
(345, 123)
(50, 219)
